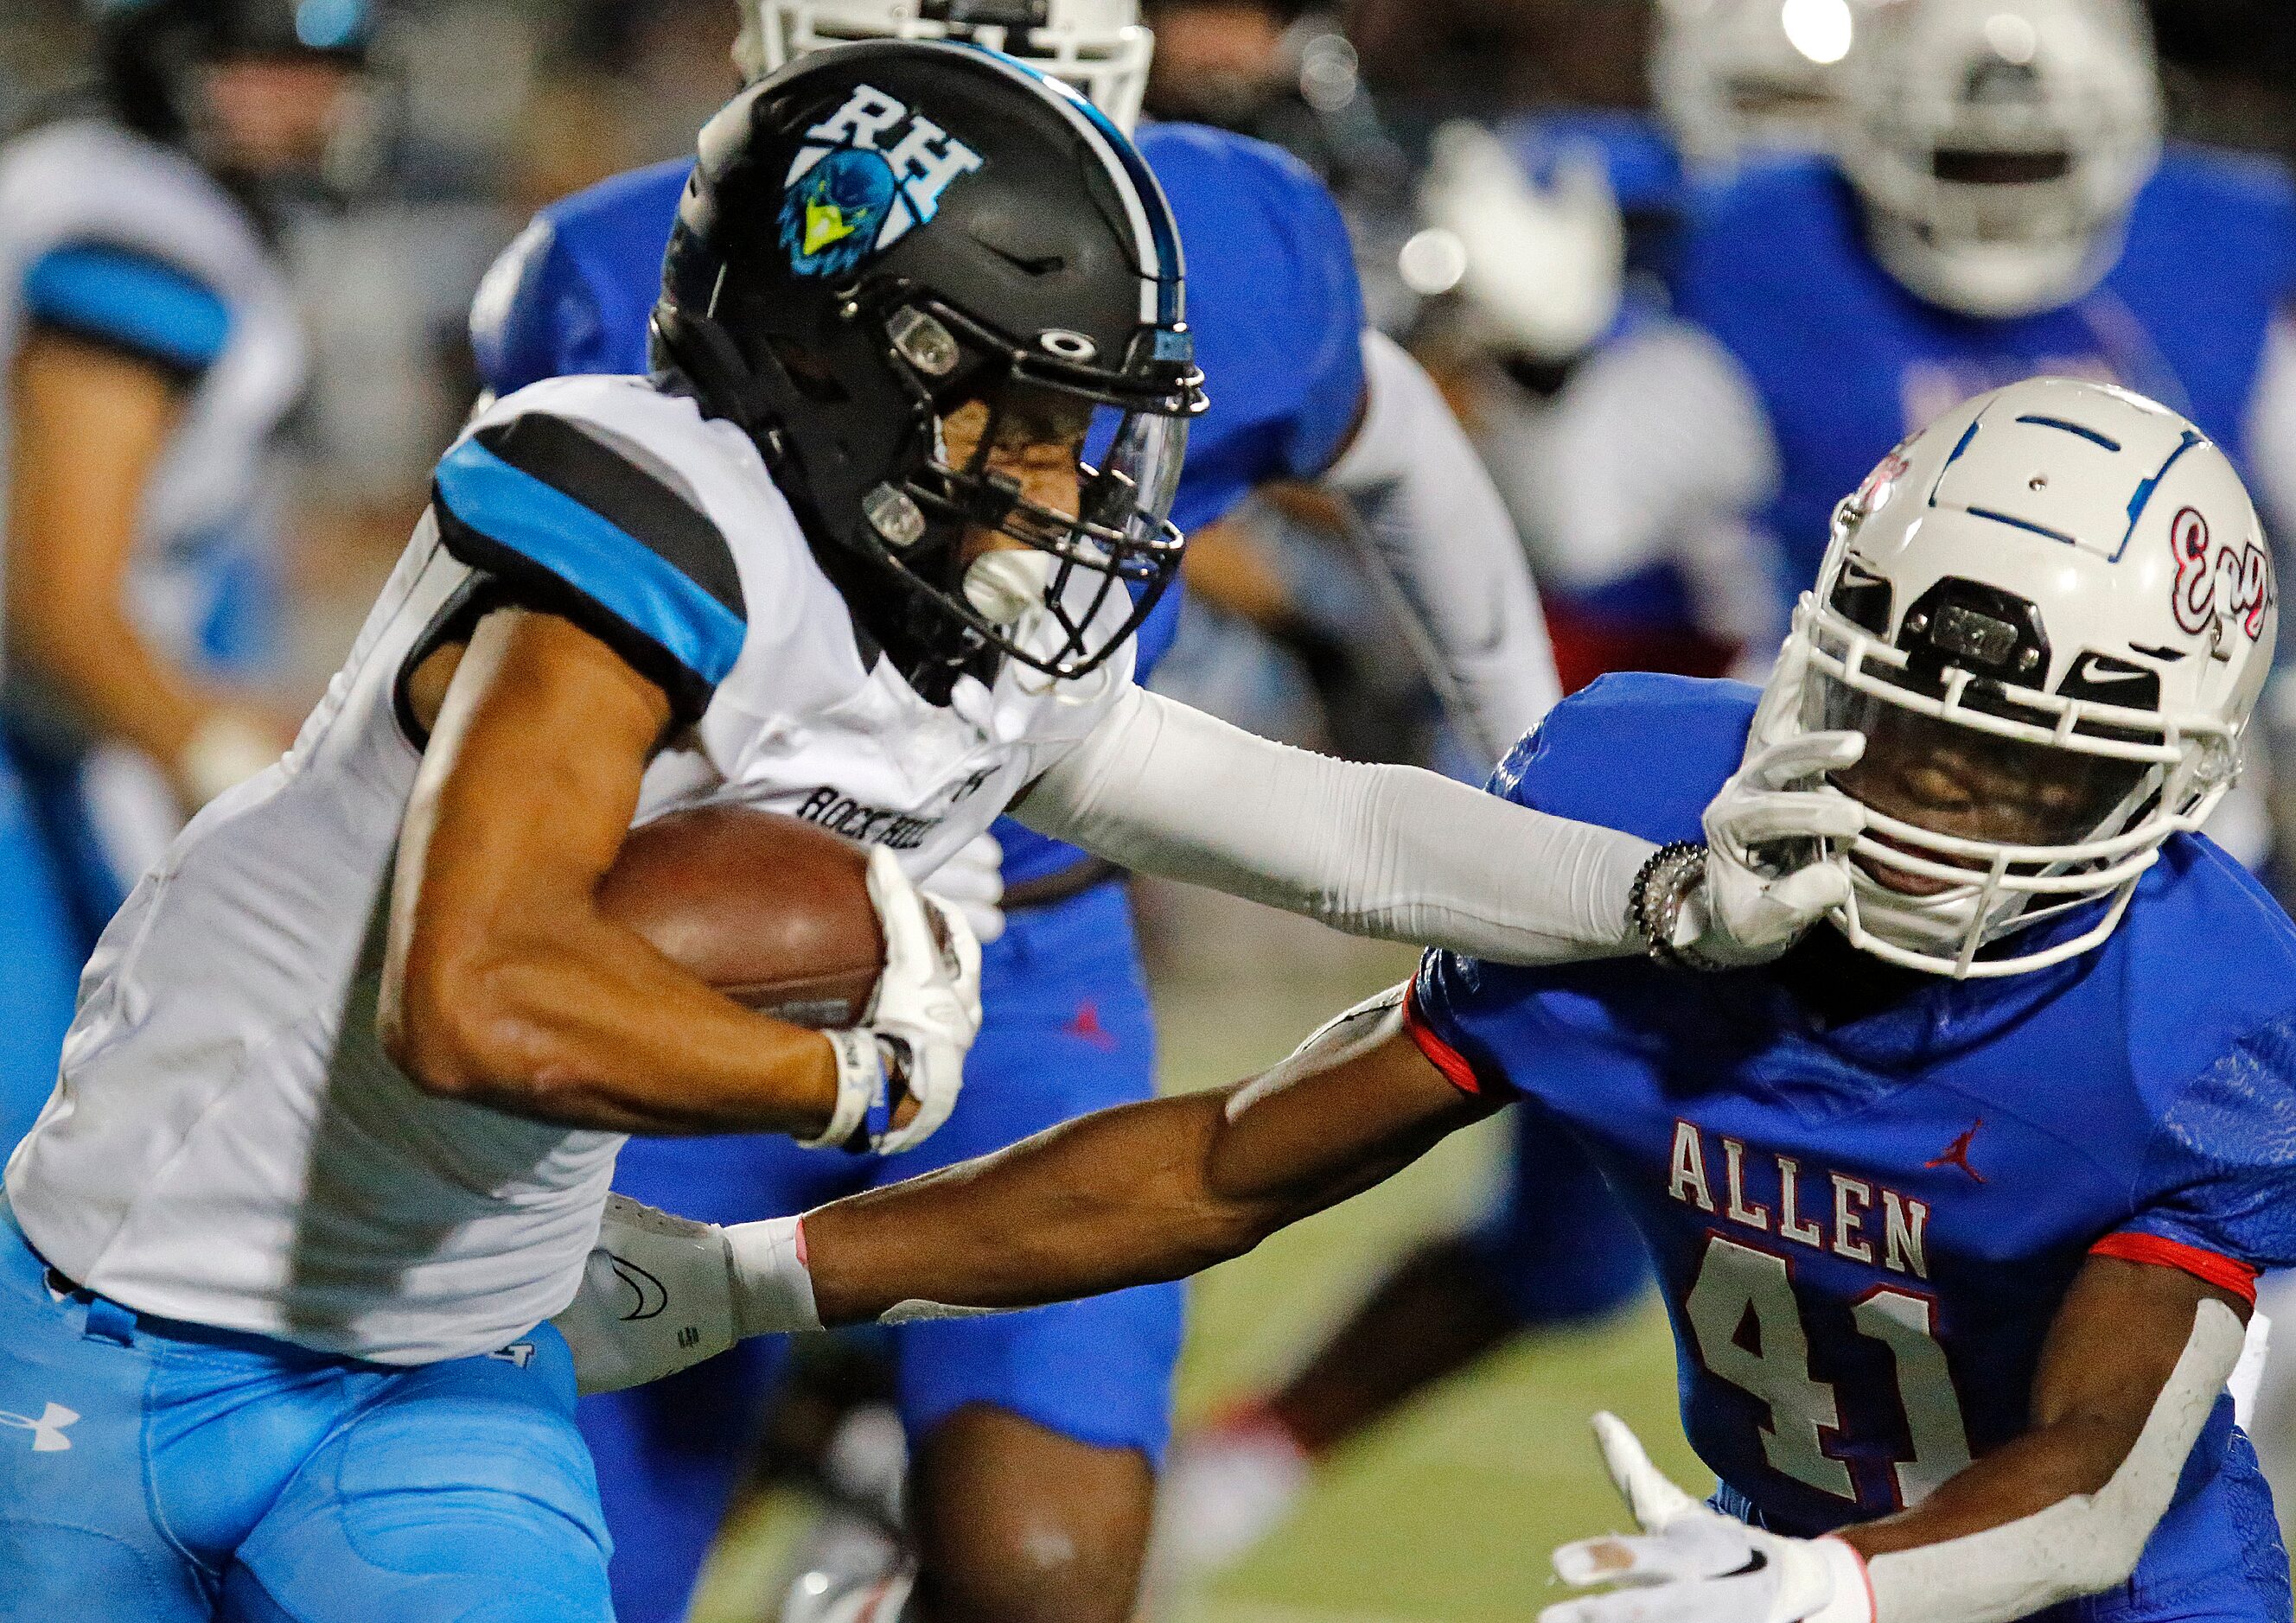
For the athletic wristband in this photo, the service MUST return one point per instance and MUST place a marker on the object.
(773, 1288)
(860, 1087)
(1851, 1599)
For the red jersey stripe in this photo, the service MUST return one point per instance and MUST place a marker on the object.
(2225, 1273)
(1445, 1058)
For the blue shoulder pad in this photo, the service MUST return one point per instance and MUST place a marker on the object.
(572, 294)
(126, 299)
(1635, 752)
(566, 524)
(2220, 1175)
(530, 310)
(1275, 306)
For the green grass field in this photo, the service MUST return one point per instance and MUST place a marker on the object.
(1445, 1515)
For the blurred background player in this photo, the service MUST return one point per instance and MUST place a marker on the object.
(1035, 1438)
(153, 349)
(1732, 83)
(2000, 206)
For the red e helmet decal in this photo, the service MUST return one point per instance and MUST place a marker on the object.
(2216, 580)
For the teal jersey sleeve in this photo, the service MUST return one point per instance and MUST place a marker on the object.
(126, 299)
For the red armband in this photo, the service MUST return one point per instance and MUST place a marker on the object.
(2212, 1267)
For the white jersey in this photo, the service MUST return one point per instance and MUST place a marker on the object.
(121, 242)
(227, 1142)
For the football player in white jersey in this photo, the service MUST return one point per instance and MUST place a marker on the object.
(150, 348)
(335, 1124)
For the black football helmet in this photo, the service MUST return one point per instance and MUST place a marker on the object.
(150, 51)
(879, 235)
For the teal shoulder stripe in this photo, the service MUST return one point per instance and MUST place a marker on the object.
(594, 556)
(122, 297)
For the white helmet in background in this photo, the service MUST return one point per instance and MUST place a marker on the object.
(1733, 78)
(2050, 614)
(1099, 46)
(1998, 145)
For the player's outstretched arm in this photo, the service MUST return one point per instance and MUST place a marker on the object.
(1393, 851)
(1144, 1193)
(1121, 1197)
(503, 983)
(2134, 1363)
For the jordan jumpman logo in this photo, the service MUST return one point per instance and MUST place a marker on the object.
(1956, 1153)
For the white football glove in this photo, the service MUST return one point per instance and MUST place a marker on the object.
(1748, 910)
(660, 1293)
(973, 881)
(1693, 1564)
(925, 1016)
(657, 1295)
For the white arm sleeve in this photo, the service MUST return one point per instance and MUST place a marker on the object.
(1387, 851)
(2079, 1545)
(1443, 530)
(1656, 439)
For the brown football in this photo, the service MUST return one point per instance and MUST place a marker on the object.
(772, 911)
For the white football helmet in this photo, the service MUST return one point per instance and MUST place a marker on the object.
(1099, 46)
(2050, 613)
(1998, 144)
(1735, 77)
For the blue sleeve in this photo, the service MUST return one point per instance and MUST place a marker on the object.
(536, 315)
(1276, 309)
(1633, 751)
(2221, 1176)
(1333, 378)
(1638, 752)
(129, 300)
(559, 521)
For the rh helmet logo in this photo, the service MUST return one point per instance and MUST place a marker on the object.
(2218, 583)
(859, 188)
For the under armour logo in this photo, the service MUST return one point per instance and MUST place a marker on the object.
(1956, 1153)
(520, 1353)
(48, 1430)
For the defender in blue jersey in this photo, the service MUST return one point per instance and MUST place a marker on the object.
(1821, 310)
(1069, 1408)
(1552, 1248)
(1957, 1207)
